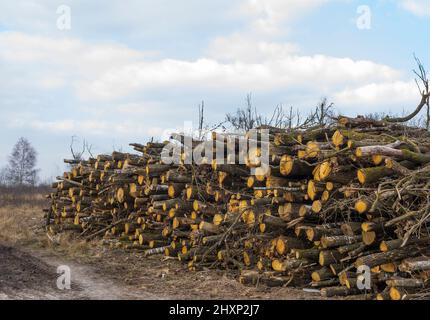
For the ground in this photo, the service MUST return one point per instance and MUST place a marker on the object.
(29, 261)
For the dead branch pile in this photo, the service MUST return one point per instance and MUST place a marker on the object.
(335, 199)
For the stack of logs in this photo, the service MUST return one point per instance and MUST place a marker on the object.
(335, 198)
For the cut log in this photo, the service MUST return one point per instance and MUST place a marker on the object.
(374, 174)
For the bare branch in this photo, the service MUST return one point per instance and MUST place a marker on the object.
(421, 73)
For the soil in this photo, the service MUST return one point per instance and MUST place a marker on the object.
(26, 276)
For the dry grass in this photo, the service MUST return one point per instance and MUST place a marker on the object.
(34, 196)
(21, 215)
(21, 224)
(68, 244)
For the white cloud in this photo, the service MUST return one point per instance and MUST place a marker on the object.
(148, 108)
(371, 96)
(242, 47)
(106, 72)
(317, 71)
(51, 82)
(89, 127)
(417, 7)
(21, 47)
(268, 15)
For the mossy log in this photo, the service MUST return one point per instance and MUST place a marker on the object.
(376, 259)
(336, 241)
(373, 174)
(338, 291)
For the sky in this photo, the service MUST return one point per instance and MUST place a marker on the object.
(116, 72)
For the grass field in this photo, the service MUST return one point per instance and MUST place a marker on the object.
(21, 215)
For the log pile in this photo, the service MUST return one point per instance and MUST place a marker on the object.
(335, 199)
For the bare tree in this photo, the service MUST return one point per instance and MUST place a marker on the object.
(417, 122)
(204, 127)
(248, 118)
(22, 162)
(3, 174)
(377, 116)
(79, 155)
(424, 90)
(201, 120)
(323, 113)
(245, 118)
(280, 118)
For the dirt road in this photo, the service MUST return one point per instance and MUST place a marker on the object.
(32, 274)
(28, 276)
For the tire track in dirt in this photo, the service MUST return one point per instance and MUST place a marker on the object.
(24, 275)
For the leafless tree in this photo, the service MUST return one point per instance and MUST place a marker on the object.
(248, 118)
(280, 118)
(21, 166)
(323, 113)
(295, 120)
(3, 174)
(204, 127)
(375, 116)
(79, 155)
(417, 122)
(245, 118)
(201, 120)
(422, 83)
(291, 117)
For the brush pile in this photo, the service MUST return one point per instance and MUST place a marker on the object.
(334, 199)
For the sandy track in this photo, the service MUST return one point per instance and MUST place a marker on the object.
(33, 276)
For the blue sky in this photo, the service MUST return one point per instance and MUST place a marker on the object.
(129, 70)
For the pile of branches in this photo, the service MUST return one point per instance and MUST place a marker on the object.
(334, 198)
